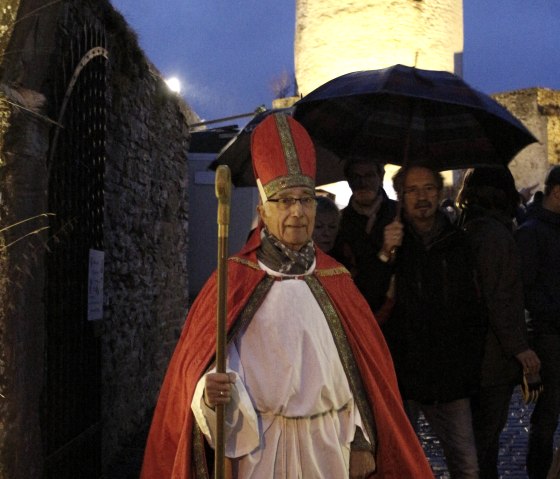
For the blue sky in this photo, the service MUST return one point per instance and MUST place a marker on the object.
(227, 52)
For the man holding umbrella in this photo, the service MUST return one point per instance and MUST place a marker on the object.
(436, 329)
(310, 389)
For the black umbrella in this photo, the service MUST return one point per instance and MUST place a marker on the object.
(237, 155)
(403, 114)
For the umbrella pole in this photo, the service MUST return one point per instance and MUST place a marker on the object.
(406, 153)
(223, 194)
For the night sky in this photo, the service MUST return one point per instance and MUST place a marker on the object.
(228, 52)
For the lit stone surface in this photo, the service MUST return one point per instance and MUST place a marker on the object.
(331, 39)
(539, 110)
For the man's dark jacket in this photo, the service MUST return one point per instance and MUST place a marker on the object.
(498, 264)
(539, 245)
(437, 328)
(357, 250)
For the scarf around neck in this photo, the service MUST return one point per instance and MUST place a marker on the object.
(278, 257)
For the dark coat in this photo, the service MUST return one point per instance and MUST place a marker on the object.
(357, 250)
(539, 245)
(498, 264)
(437, 328)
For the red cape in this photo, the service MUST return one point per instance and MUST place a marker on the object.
(168, 451)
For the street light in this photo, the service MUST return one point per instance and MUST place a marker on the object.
(174, 84)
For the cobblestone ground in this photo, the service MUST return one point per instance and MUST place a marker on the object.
(513, 443)
(512, 451)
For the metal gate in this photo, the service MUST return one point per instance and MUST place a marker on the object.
(71, 401)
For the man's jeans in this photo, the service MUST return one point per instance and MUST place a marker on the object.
(451, 422)
(544, 419)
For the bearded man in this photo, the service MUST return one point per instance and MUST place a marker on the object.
(437, 327)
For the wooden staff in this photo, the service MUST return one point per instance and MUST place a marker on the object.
(223, 193)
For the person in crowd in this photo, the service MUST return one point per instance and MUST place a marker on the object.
(361, 239)
(327, 221)
(488, 201)
(310, 389)
(437, 326)
(534, 202)
(525, 196)
(538, 239)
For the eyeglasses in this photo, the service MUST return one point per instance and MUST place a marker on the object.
(307, 202)
(428, 190)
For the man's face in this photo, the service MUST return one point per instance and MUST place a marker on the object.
(420, 195)
(365, 180)
(293, 224)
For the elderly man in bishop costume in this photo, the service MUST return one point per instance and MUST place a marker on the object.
(310, 390)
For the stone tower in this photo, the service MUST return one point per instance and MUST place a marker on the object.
(334, 37)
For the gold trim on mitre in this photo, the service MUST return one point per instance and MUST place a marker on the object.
(295, 177)
(283, 182)
(287, 142)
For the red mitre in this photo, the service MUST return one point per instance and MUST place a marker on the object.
(283, 155)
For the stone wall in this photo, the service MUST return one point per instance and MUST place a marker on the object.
(145, 228)
(539, 110)
(146, 237)
(333, 37)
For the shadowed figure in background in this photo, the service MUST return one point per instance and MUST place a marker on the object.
(360, 244)
(327, 222)
(488, 201)
(538, 239)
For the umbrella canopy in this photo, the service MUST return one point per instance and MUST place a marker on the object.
(402, 115)
(237, 155)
